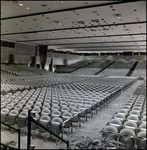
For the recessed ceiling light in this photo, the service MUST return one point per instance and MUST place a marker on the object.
(61, 2)
(28, 8)
(20, 4)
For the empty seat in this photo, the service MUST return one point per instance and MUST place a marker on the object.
(46, 105)
(116, 123)
(4, 114)
(109, 132)
(46, 112)
(12, 117)
(83, 113)
(36, 110)
(55, 107)
(18, 108)
(72, 105)
(56, 126)
(45, 121)
(141, 140)
(142, 127)
(55, 102)
(10, 106)
(37, 104)
(66, 116)
(121, 117)
(143, 119)
(133, 118)
(63, 103)
(30, 103)
(123, 111)
(3, 105)
(130, 125)
(64, 109)
(127, 138)
(22, 102)
(75, 112)
(26, 108)
(137, 109)
(55, 113)
(135, 113)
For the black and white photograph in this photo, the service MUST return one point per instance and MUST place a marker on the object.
(73, 74)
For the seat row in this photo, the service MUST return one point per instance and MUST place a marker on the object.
(128, 125)
(48, 104)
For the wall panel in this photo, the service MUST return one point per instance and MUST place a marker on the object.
(22, 59)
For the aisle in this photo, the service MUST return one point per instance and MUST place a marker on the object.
(93, 126)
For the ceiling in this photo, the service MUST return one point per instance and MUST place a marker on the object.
(81, 26)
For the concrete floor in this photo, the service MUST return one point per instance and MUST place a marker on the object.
(91, 128)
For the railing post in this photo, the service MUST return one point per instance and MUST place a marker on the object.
(18, 138)
(29, 130)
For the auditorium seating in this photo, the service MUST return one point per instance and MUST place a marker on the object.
(73, 67)
(129, 122)
(119, 68)
(92, 68)
(63, 102)
(140, 70)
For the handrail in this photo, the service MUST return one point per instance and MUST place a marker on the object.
(29, 130)
(18, 130)
(8, 146)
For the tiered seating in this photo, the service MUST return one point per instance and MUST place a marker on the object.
(140, 70)
(119, 68)
(34, 71)
(92, 68)
(73, 67)
(23, 70)
(128, 124)
(13, 70)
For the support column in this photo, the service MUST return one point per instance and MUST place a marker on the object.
(51, 66)
(33, 61)
(43, 55)
(11, 59)
(65, 61)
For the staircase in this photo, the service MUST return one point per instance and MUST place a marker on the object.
(104, 68)
(132, 69)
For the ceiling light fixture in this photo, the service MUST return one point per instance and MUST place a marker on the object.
(28, 8)
(61, 2)
(20, 4)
